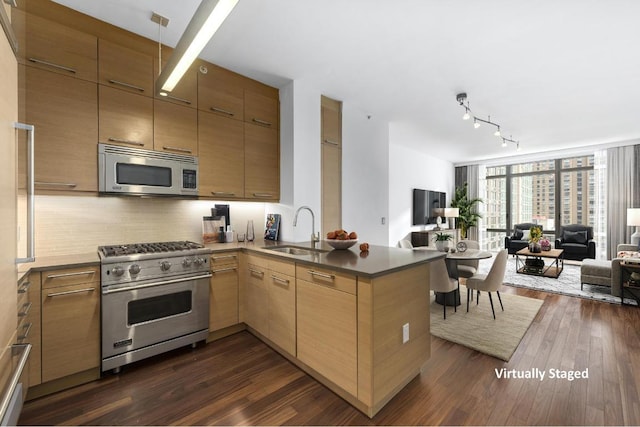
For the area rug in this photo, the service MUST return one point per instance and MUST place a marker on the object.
(567, 284)
(478, 330)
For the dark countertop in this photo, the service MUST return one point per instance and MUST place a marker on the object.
(377, 261)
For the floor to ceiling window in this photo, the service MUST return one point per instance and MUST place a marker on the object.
(551, 193)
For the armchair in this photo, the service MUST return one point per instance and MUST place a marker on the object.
(577, 242)
(518, 240)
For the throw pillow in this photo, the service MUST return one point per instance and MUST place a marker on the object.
(518, 234)
(574, 237)
(526, 235)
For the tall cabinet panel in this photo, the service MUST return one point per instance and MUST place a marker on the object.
(331, 147)
(8, 115)
(64, 112)
(262, 162)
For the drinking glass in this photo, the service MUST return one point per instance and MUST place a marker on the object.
(250, 232)
(240, 237)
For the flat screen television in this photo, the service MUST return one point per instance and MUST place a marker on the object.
(427, 206)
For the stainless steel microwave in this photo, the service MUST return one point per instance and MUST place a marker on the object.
(124, 170)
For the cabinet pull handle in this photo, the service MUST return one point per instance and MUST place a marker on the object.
(130, 86)
(127, 141)
(56, 184)
(261, 122)
(26, 307)
(79, 273)
(31, 200)
(262, 195)
(223, 193)
(328, 141)
(280, 280)
(175, 98)
(222, 270)
(216, 258)
(323, 275)
(24, 288)
(261, 273)
(52, 65)
(25, 334)
(181, 150)
(220, 110)
(77, 291)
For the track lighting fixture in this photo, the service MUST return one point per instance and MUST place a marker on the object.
(462, 100)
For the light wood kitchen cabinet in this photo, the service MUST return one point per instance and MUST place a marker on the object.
(64, 112)
(331, 165)
(124, 68)
(261, 162)
(221, 156)
(282, 305)
(54, 47)
(70, 321)
(256, 307)
(221, 92)
(29, 323)
(223, 296)
(175, 128)
(261, 109)
(125, 118)
(327, 337)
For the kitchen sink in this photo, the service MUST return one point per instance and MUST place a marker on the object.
(295, 250)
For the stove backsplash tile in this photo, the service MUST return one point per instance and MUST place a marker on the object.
(69, 225)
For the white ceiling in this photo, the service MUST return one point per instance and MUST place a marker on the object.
(553, 73)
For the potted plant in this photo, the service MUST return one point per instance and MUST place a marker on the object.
(442, 241)
(467, 217)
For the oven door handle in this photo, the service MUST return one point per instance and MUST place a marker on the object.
(150, 285)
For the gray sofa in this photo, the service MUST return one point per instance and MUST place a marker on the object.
(616, 290)
(605, 273)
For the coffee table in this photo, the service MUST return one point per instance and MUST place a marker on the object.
(551, 269)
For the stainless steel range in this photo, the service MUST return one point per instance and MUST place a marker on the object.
(155, 298)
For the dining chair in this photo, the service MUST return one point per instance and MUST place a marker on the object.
(467, 268)
(404, 243)
(441, 282)
(491, 281)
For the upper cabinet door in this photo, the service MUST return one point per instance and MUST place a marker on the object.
(186, 91)
(124, 68)
(261, 109)
(220, 92)
(54, 47)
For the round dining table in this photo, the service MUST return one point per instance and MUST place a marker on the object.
(452, 259)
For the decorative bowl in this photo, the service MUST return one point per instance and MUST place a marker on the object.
(341, 244)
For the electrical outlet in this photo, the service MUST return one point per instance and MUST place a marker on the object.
(405, 333)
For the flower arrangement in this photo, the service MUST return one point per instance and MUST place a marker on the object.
(545, 244)
(535, 234)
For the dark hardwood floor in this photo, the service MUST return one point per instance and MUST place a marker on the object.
(240, 380)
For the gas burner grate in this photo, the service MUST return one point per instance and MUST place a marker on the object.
(146, 248)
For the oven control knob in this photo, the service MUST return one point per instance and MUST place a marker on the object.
(165, 266)
(117, 271)
(134, 269)
(198, 261)
(187, 262)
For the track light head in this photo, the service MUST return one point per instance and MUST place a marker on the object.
(476, 123)
(504, 142)
(497, 132)
(466, 115)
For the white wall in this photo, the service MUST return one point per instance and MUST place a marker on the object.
(365, 174)
(409, 169)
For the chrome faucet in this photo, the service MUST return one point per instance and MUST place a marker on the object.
(314, 237)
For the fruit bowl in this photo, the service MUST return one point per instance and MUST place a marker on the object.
(341, 244)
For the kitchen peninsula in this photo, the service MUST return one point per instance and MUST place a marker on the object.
(357, 321)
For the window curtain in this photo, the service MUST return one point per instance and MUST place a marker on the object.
(600, 204)
(622, 192)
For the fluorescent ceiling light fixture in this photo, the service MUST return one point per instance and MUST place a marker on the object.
(205, 22)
